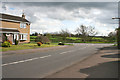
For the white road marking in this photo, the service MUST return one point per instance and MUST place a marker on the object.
(63, 52)
(22, 61)
(45, 56)
(67, 51)
(72, 50)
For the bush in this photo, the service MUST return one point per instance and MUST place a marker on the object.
(39, 43)
(6, 44)
(48, 43)
(60, 43)
(16, 42)
(10, 42)
(42, 39)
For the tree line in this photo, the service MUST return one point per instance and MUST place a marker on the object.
(86, 33)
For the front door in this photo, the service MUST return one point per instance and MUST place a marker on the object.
(15, 36)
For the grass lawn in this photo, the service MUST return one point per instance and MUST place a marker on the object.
(27, 46)
(73, 38)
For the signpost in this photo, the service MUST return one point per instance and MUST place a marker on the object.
(118, 34)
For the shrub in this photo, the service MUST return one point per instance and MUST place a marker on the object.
(39, 43)
(60, 43)
(42, 39)
(6, 44)
(16, 42)
(10, 42)
(48, 43)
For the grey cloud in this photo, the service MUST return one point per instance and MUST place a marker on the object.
(109, 9)
(68, 5)
(30, 15)
(4, 7)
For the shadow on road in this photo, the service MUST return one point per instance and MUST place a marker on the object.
(109, 48)
(111, 56)
(106, 69)
(102, 70)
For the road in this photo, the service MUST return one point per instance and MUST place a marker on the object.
(41, 64)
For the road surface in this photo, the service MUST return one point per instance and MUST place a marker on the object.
(41, 64)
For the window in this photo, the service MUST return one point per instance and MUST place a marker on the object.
(22, 25)
(23, 36)
(7, 34)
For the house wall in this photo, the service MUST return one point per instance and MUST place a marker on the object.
(6, 24)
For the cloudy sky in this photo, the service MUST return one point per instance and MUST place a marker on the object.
(54, 16)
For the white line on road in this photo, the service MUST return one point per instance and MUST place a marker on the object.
(72, 50)
(67, 51)
(45, 56)
(22, 61)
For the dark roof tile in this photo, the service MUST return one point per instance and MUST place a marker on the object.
(12, 17)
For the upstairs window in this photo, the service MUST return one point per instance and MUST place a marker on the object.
(22, 25)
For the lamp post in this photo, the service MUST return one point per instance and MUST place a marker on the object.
(118, 34)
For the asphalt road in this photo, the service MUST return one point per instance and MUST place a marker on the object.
(41, 64)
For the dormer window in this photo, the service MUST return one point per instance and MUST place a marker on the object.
(22, 25)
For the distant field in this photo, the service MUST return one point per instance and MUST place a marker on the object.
(56, 39)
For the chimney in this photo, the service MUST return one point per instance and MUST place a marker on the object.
(23, 15)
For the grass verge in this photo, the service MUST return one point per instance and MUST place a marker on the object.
(32, 45)
(27, 46)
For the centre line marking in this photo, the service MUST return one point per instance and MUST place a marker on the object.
(67, 52)
(72, 50)
(22, 61)
(63, 52)
(45, 56)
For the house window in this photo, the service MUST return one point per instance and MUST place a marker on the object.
(23, 36)
(22, 25)
(7, 34)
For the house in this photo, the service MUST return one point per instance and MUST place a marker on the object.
(14, 27)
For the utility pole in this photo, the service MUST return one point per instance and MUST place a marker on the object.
(118, 34)
(118, 29)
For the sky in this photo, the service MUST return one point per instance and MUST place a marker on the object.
(48, 17)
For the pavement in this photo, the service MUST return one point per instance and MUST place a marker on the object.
(44, 63)
(103, 64)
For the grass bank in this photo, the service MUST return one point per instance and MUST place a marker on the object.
(27, 46)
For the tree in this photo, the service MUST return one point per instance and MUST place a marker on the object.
(42, 39)
(85, 32)
(112, 34)
(36, 34)
(64, 33)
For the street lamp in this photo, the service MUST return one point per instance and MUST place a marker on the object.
(118, 33)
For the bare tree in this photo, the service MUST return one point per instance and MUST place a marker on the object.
(112, 34)
(85, 31)
(64, 33)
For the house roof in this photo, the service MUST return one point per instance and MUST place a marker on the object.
(6, 17)
(9, 30)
